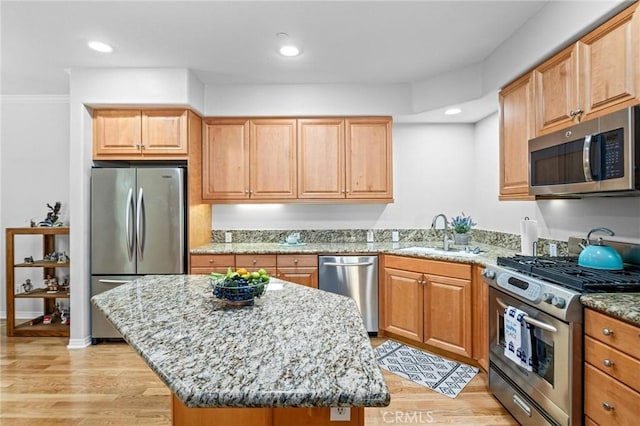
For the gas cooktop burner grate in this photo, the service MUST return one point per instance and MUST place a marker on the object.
(565, 271)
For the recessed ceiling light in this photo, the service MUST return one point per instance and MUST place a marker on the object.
(99, 46)
(453, 111)
(289, 50)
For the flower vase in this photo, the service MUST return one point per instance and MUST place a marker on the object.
(461, 239)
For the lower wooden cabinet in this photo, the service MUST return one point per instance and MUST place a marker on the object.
(208, 263)
(299, 269)
(308, 416)
(296, 268)
(480, 297)
(428, 301)
(612, 360)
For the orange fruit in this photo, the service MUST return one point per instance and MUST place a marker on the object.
(242, 271)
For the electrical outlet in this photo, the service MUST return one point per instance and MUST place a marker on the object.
(553, 249)
(228, 237)
(395, 236)
(369, 236)
(340, 414)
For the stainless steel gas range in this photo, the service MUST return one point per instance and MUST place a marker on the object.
(547, 291)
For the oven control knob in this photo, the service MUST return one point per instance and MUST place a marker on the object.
(489, 273)
(547, 297)
(558, 302)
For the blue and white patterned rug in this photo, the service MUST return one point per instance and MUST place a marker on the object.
(442, 375)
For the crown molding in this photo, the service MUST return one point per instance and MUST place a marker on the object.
(34, 99)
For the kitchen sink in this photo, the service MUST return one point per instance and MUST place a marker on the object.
(438, 251)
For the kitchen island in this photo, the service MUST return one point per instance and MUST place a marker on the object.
(296, 347)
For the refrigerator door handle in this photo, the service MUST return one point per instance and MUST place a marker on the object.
(140, 231)
(105, 281)
(127, 219)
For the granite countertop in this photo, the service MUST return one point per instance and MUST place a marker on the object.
(624, 306)
(296, 347)
(486, 256)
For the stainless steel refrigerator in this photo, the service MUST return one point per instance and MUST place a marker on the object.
(138, 227)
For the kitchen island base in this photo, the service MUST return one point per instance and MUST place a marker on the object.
(315, 416)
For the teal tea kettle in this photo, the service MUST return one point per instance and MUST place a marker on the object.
(600, 256)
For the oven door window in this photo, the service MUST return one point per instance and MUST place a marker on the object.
(543, 351)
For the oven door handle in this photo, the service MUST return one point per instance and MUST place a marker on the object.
(531, 321)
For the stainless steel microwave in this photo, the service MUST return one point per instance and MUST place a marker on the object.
(596, 157)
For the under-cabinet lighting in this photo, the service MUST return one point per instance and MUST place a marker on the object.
(99, 46)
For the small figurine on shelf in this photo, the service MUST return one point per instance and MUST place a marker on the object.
(65, 285)
(28, 259)
(62, 257)
(27, 286)
(51, 257)
(64, 316)
(52, 216)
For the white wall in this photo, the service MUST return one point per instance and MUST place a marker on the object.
(449, 169)
(433, 173)
(34, 169)
(557, 219)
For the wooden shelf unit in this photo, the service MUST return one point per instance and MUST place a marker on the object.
(24, 328)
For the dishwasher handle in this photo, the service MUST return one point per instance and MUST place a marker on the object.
(347, 264)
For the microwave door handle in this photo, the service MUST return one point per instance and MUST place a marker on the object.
(531, 321)
(586, 159)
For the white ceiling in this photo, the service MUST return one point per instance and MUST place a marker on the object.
(374, 42)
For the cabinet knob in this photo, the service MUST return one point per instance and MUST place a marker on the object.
(607, 331)
(608, 363)
(210, 260)
(295, 260)
(246, 191)
(607, 406)
(138, 146)
(254, 261)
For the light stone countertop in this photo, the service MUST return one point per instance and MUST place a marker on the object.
(624, 306)
(296, 347)
(487, 256)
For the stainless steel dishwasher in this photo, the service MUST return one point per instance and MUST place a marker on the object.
(355, 277)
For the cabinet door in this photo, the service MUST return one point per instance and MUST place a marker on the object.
(368, 158)
(321, 158)
(609, 60)
(116, 133)
(225, 159)
(447, 314)
(556, 91)
(164, 133)
(516, 128)
(307, 276)
(403, 303)
(480, 319)
(273, 159)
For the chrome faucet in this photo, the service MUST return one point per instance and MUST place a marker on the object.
(445, 239)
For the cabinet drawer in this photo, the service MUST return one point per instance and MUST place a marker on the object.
(293, 260)
(427, 266)
(620, 365)
(607, 401)
(212, 261)
(613, 332)
(255, 261)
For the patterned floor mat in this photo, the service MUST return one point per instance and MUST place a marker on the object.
(442, 375)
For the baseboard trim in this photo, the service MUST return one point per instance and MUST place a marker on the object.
(79, 343)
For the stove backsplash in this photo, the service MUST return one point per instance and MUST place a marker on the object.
(478, 236)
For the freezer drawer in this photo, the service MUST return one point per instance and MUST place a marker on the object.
(355, 277)
(100, 327)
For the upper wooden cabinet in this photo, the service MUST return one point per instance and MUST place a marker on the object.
(368, 158)
(516, 128)
(225, 159)
(301, 160)
(248, 159)
(140, 134)
(556, 91)
(597, 75)
(272, 169)
(321, 172)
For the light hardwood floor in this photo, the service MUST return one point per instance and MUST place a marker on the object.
(44, 383)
